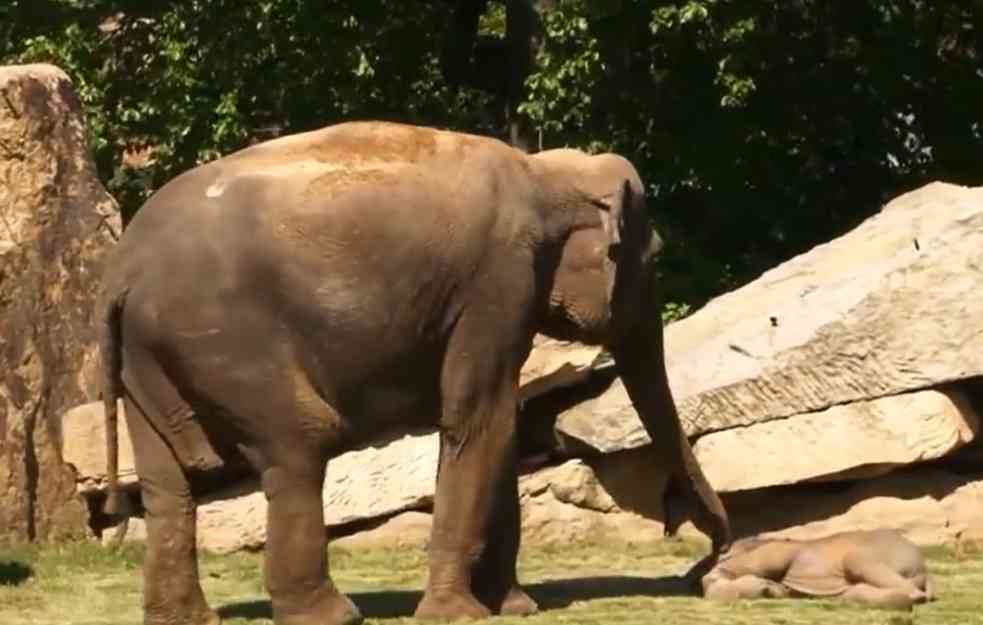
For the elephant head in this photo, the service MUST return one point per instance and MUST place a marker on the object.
(604, 291)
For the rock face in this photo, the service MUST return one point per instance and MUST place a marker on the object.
(56, 223)
(882, 310)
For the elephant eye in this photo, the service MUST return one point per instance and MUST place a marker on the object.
(614, 251)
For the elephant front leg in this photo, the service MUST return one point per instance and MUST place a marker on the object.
(295, 566)
(475, 456)
(495, 581)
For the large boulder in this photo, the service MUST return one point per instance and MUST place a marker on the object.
(585, 500)
(595, 500)
(56, 224)
(377, 481)
(879, 311)
(930, 506)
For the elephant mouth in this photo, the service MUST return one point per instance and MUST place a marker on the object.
(566, 327)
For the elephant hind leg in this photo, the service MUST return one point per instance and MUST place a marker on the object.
(288, 432)
(296, 559)
(865, 571)
(172, 592)
(295, 431)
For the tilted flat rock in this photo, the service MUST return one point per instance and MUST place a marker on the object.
(884, 309)
(870, 437)
(56, 224)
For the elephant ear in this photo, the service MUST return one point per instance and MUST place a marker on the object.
(613, 209)
(614, 217)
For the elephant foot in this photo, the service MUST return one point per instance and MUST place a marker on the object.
(182, 605)
(330, 608)
(918, 596)
(518, 603)
(450, 606)
(205, 616)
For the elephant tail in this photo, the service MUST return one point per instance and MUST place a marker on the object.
(111, 353)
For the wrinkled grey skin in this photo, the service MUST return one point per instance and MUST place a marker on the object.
(294, 300)
(877, 567)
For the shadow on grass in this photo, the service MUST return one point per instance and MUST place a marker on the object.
(550, 595)
(14, 573)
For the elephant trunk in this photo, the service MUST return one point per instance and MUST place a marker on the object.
(641, 365)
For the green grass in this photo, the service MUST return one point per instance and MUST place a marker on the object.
(86, 584)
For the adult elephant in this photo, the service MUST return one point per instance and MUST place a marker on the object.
(295, 299)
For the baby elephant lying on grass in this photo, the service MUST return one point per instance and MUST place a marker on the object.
(880, 567)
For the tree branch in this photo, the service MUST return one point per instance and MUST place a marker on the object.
(491, 64)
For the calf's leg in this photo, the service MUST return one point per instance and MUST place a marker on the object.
(867, 572)
(744, 587)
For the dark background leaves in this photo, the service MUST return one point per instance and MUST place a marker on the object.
(761, 127)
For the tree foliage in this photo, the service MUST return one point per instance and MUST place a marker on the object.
(762, 127)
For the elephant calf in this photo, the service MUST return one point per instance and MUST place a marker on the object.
(879, 567)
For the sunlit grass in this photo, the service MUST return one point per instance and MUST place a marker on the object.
(87, 584)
